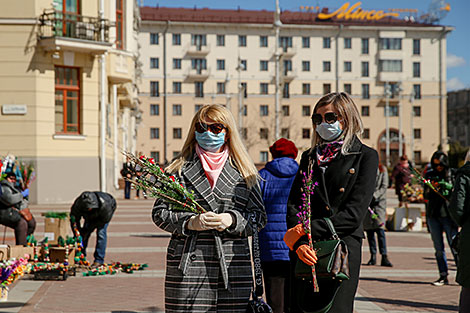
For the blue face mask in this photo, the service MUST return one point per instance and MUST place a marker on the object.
(209, 141)
(329, 132)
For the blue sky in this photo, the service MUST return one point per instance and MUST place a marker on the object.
(458, 43)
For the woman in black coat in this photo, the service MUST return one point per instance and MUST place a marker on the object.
(345, 170)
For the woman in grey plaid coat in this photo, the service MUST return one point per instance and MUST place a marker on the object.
(208, 258)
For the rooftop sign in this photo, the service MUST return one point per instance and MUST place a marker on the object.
(355, 12)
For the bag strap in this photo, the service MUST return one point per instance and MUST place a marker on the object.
(256, 259)
(329, 223)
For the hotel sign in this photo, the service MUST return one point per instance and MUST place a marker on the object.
(355, 12)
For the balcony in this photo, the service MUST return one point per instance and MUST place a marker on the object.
(197, 50)
(288, 76)
(73, 32)
(285, 52)
(197, 74)
(390, 76)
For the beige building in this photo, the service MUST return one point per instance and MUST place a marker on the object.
(68, 71)
(193, 57)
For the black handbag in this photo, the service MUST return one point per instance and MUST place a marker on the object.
(257, 304)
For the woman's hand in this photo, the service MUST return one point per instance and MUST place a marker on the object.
(204, 221)
(293, 234)
(307, 255)
(226, 220)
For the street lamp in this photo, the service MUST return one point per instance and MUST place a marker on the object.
(399, 90)
(277, 26)
(240, 68)
(412, 132)
(387, 94)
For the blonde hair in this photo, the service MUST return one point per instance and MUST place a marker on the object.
(237, 151)
(347, 111)
(467, 156)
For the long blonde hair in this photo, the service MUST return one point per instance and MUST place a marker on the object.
(347, 110)
(238, 153)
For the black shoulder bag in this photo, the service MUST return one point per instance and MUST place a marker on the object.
(257, 304)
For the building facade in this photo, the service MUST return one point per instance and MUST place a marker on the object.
(458, 116)
(193, 57)
(68, 91)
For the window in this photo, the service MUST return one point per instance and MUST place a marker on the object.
(119, 23)
(326, 42)
(155, 155)
(263, 41)
(154, 133)
(244, 133)
(305, 66)
(417, 91)
(326, 88)
(306, 133)
(154, 109)
(285, 42)
(153, 62)
(220, 65)
(347, 66)
(416, 69)
(245, 90)
(176, 39)
(197, 107)
(199, 89)
(154, 90)
(263, 88)
(198, 41)
(366, 133)
(176, 87)
(416, 47)
(365, 91)
(390, 65)
(416, 111)
(263, 110)
(245, 110)
(263, 156)
(221, 40)
(347, 43)
(348, 88)
(221, 88)
(305, 110)
(263, 65)
(390, 43)
(365, 69)
(67, 100)
(198, 65)
(365, 110)
(285, 91)
(305, 42)
(392, 110)
(287, 66)
(242, 41)
(417, 156)
(154, 38)
(263, 133)
(177, 133)
(177, 110)
(326, 66)
(365, 45)
(305, 89)
(285, 133)
(176, 64)
(285, 110)
(417, 133)
(243, 65)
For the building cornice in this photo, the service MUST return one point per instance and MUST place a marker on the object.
(18, 21)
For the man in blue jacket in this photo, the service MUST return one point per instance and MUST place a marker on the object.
(277, 178)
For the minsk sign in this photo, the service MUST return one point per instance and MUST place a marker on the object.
(355, 12)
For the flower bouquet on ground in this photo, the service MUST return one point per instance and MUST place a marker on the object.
(155, 183)
(305, 214)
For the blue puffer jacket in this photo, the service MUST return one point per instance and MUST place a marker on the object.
(278, 176)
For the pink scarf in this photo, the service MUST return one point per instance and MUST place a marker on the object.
(212, 162)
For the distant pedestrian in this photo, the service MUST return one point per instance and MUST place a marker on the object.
(97, 209)
(437, 212)
(277, 178)
(459, 210)
(126, 172)
(374, 221)
(401, 175)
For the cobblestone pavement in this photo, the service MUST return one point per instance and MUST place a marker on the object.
(132, 237)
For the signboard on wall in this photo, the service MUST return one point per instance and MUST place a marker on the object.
(14, 109)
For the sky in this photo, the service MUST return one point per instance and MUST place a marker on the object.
(458, 41)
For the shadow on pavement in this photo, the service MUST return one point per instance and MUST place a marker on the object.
(413, 304)
(385, 280)
(11, 304)
(151, 235)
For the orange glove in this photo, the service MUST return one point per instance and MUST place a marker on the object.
(293, 234)
(306, 255)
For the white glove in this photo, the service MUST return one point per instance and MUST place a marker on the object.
(226, 220)
(204, 221)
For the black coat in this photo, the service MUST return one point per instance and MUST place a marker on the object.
(103, 206)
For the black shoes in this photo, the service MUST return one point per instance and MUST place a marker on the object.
(441, 281)
(385, 261)
(372, 260)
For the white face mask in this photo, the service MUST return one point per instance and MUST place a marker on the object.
(329, 132)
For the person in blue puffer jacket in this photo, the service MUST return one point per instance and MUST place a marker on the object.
(277, 178)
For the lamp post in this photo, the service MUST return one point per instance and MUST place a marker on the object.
(400, 137)
(412, 132)
(387, 130)
(240, 68)
(277, 56)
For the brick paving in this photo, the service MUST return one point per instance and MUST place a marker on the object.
(133, 238)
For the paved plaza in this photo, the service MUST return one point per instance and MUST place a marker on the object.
(132, 237)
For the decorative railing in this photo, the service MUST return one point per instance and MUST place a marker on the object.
(71, 25)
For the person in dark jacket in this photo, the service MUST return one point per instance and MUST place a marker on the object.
(11, 202)
(437, 212)
(374, 222)
(276, 181)
(97, 209)
(459, 210)
(345, 170)
(126, 172)
(401, 175)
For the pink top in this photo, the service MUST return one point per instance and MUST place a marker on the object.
(212, 162)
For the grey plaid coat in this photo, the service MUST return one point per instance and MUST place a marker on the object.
(210, 271)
